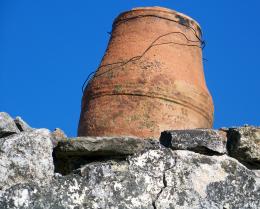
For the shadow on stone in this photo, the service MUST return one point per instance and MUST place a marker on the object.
(244, 144)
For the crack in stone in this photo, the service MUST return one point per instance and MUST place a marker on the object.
(164, 186)
(159, 193)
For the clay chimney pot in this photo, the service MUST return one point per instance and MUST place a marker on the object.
(150, 79)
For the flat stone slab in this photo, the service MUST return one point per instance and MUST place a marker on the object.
(102, 146)
(204, 141)
(72, 153)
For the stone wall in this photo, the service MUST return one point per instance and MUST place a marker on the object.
(199, 168)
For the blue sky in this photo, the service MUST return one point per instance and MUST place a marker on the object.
(47, 49)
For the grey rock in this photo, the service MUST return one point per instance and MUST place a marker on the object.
(7, 125)
(204, 141)
(58, 135)
(134, 183)
(101, 146)
(26, 157)
(125, 172)
(158, 178)
(20, 196)
(21, 124)
(200, 182)
(130, 184)
(244, 145)
(71, 153)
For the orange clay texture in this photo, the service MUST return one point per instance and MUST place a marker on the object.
(150, 79)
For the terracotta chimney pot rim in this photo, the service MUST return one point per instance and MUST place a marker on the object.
(162, 10)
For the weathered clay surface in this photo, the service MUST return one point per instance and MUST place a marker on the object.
(148, 176)
(150, 78)
(7, 125)
(25, 157)
(205, 141)
(244, 145)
